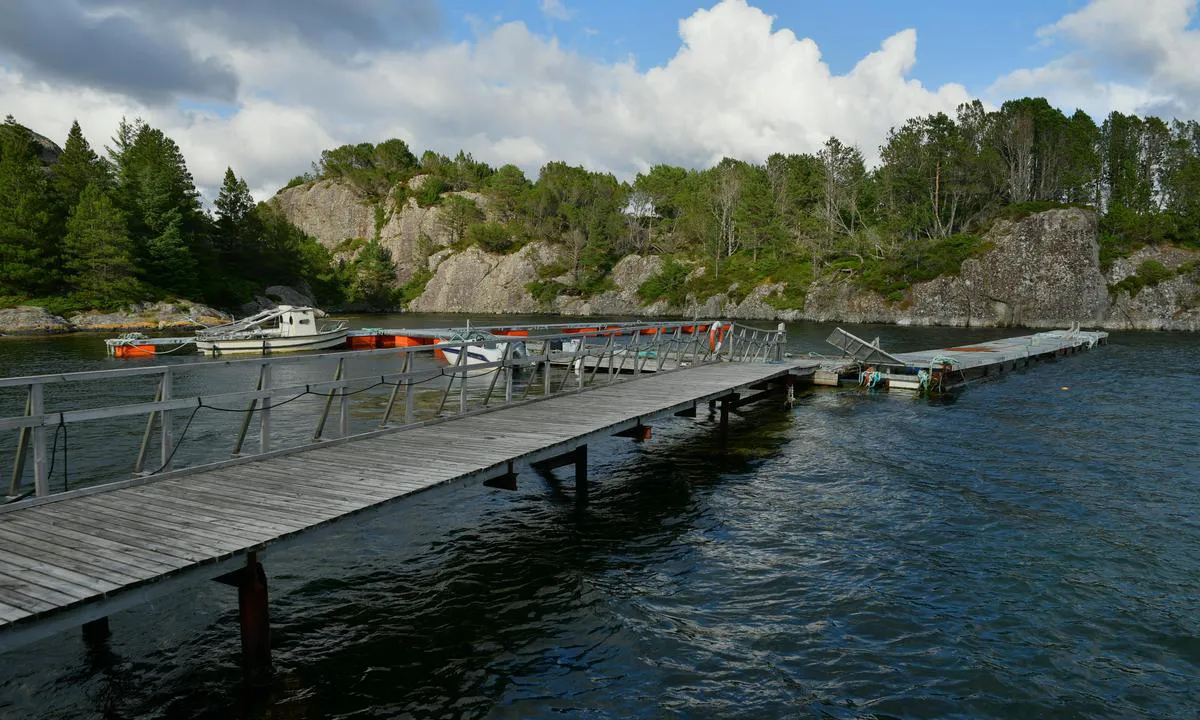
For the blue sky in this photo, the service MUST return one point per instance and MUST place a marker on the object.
(961, 41)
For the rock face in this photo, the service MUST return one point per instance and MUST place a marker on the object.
(332, 212)
(1043, 271)
(278, 295)
(628, 275)
(473, 281)
(329, 211)
(151, 316)
(1173, 304)
(30, 320)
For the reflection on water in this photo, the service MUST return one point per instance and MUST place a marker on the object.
(1024, 552)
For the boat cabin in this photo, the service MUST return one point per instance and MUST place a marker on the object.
(297, 321)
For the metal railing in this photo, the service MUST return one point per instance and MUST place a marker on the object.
(406, 386)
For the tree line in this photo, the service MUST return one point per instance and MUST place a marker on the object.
(92, 231)
(129, 225)
(940, 183)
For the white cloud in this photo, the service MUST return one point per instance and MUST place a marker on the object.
(555, 10)
(737, 86)
(1126, 55)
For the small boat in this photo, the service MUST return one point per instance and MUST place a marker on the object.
(285, 328)
(482, 347)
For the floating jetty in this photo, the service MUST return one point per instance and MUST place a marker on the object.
(946, 369)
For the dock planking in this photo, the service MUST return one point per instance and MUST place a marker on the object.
(79, 557)
(960, 364)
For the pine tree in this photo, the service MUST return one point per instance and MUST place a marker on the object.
(238, 236)
(26, 259)
(374, 280)
(169, 262)
(77, 167)
(99, 254)
(169, 231)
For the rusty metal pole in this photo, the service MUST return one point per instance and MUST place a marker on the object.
(252, 613)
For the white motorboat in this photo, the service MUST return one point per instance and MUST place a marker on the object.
(481, 347)
(285, 328)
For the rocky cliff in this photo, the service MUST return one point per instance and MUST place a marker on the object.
(1040, 271)
(333, 212)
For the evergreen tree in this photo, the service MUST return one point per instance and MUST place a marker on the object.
(27, 257)
(99, 264)
(169, 231)
(77, 167)
(374, 278)
(238, 233)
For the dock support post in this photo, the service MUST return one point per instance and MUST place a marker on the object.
(96, 631)
(581, 476)
(252, 612)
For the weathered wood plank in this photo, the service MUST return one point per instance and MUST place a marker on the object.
(38, 548)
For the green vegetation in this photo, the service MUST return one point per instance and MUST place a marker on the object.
(668, 284)
(941, 184)
(104, 231)
(1149, 274)
(491, 236)
(99, 232)
(412, 289)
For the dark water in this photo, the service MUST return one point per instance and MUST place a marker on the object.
(1026, 551)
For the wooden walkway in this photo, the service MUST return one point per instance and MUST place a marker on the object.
(79, 557)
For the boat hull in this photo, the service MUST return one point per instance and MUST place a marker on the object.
(267, 345)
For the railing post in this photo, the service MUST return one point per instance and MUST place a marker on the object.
(241, 438)
(14, 486)
(337, 375)
(458, 362)
(167, 440)
(409, 388)
(343, 410)
(140, 463)
(264, 430)
(496, 376)
(509, 371)
(462, 388)
(41, 480)
(387, 411)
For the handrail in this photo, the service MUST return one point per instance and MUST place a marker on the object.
(658, 347)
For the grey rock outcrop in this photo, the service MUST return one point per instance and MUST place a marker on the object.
(31, 320)
(473, 281)
(1042, 271)
(628, 275)
(333, 212)
(1173, 304)
(329, 211)
(278, 295)
(151, 316)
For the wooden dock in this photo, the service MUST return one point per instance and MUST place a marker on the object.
(75, 558)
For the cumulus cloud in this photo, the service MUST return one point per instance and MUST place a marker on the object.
(737, 86)
(1126, 55)
(58, 40)
(555, 10)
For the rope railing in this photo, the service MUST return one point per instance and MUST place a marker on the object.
(419, 388)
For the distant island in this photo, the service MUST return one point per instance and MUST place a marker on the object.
(1022, 216)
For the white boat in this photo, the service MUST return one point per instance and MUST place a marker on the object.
(285, 328)
(482, 347)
